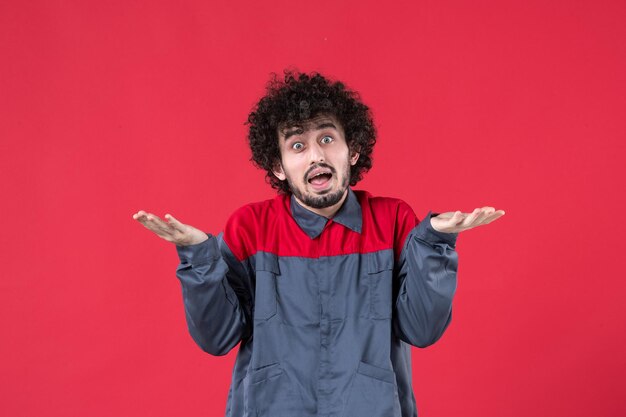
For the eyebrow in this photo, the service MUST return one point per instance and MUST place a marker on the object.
(299, 130)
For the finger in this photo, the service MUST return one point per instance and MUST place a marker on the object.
(173, 222)
(139, 215)
(450, 218)
(484, 213)
(494, 216)
(155, 224)
(469, 220)
(151, 222)
(147, 220)
(160, 224)
(458, 218)
(478, 215)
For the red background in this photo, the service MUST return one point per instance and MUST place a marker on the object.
(110, 107)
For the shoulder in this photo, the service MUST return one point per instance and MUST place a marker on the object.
(389, 215)
(250, 213)
(382, 205)
(247, 223)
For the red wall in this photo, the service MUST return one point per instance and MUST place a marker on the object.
(110, 107)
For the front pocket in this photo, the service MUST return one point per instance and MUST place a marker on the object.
(266, 372)
(380, 276)
(372, 371)
(270, 393)
(265, 293)
(373, 393)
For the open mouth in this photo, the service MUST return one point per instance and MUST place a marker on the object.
(320, 178)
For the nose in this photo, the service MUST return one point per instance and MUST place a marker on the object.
(316, 153)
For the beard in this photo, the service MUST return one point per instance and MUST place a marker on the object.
(325, 200)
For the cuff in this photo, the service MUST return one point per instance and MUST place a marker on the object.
(199, 253)
(426, 232)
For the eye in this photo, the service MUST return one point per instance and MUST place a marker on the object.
(327, 139)
(297, 146)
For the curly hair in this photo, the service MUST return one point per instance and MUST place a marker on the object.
(297, 99)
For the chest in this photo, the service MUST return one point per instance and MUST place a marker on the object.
(301, 291)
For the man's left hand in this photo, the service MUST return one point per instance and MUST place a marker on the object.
(456, 221)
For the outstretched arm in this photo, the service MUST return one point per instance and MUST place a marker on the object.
(427, 274)
(215, 287)
(215, 284)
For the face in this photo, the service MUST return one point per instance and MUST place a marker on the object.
(316, 161)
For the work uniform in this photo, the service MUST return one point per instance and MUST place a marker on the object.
(326, 310)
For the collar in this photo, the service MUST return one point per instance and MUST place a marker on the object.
(348, 215)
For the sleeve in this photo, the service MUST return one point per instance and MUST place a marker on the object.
(216, 288)
(427, 275)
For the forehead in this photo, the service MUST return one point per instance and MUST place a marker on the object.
(317, 122)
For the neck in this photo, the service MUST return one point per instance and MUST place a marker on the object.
(327, 212)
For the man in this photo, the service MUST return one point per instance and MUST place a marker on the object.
(325, 288)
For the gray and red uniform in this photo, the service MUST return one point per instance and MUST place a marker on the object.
(325, 310)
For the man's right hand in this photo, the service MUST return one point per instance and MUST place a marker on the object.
(172, 230)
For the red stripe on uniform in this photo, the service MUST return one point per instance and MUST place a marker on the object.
(268, 226)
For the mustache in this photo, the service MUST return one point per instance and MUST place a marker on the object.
(320, 165)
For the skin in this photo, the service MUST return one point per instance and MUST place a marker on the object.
(171, 229)
(313, 145)
(320, 143)
(457, 221)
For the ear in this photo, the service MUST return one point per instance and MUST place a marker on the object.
(354, 156)
(278, 171)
